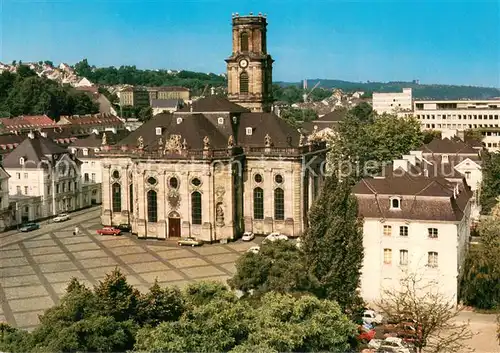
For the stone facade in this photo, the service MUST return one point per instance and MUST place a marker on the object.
(249, 68)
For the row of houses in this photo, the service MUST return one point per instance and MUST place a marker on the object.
(49, 168)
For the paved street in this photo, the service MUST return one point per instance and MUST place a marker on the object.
(35, 267)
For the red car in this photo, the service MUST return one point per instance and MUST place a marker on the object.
(109, 231)
(365, 335)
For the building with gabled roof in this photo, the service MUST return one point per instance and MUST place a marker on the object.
(40, 167)
(414, 222)
(217, 167)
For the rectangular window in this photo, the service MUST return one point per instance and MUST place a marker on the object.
(57, 188)
(403, 231)
(86, 177)
(432, 259)
(93, 177)
(387, 256)
(467, 175)
(26, 190)
(432, 233)
(403, 257)
(387, 231)
(18, 190)
(25, 175)
(18, 175)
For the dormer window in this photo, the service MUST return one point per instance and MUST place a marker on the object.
(85, 152)
(445, 158)
(96, 150)
(220, 121)
(395, 203)
(21, 161)
(158, 131)
(179, 120)
(73, 150)
(249, 131)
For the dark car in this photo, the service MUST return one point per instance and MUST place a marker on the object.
(125, 227)
(28, 227)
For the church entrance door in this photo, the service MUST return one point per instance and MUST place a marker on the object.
(174, 227)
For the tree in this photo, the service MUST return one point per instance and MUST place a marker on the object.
(14, 340)
(479, 285)
(333, 244)
(434, 316)
(278, 267)
(305, 324)
(159, 305)
(214, 321)
(490, 188)
(145, 114)
(117, 298)
(429, 135)
(295, 115)
(472, 134)
(364, 141)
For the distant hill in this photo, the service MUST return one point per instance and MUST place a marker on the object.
(420, 91)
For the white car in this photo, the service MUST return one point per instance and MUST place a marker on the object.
(62, 217)
(276, 236)
(372, 318)
(394, 344)
(248, 236)
(254, 249)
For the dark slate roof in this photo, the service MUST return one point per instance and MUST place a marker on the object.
(213, 104)
(95, 140)
(448, 146)
(165, 103)
(33, 150)
(332, 117)
(280, 131)
(422, 198)
(193, 128)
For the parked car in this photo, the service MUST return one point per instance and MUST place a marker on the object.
(190, 241)
(28, 227)
(248, 236)
(109, 231)
(372, 318)
(254, 249)
(62, 217)
(275, 236)
(124, 227)
(365, 334)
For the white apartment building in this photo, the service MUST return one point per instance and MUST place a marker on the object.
(393, 102)
(39, 167)
(86, 151)
(459, 115)
(413, 224)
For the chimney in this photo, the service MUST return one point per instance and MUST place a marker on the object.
(31, 135)
(191, 108)
(411, 159)
(400, 163)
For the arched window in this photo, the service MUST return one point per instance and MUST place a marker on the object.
(117, 197)
(279, 204)
(243, 82)
(131, 198)
(258, 203)
(152, 207)
(244, 41)
(196, 208)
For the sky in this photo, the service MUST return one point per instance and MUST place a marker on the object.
(446, 42)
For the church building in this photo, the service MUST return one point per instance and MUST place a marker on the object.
(218, 167)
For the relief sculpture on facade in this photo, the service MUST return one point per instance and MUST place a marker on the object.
(219, 215)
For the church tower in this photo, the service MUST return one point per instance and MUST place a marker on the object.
(250, 67)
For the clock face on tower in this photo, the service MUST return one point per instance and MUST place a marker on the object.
(243, 63)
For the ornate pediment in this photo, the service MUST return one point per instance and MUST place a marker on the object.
(173, 144)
